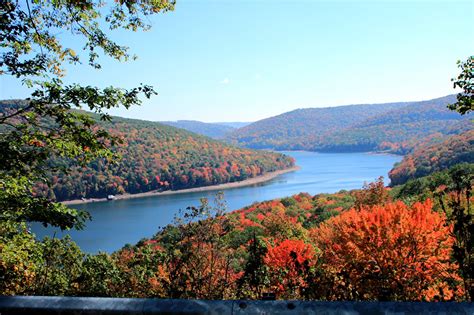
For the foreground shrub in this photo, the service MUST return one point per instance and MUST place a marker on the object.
(390, 252)
(289, 264)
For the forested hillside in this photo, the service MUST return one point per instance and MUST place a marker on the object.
(301, 128)
(212, 130)
(430, 158)
(394, 127)
(157, 157)
(400, 130)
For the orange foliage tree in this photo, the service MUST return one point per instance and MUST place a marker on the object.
(372, 194)
(390, 252)
(289, 263)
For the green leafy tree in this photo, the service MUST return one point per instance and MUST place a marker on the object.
(463, 181)
(462, 176)
(99, 277)
(46, 125)
(255, 277)
(464, 81)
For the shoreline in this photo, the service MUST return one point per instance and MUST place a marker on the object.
(247, 182)
(343, 152)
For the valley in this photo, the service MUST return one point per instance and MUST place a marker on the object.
(207, 157)
(119, 222)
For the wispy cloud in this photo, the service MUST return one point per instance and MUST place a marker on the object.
(225, 81)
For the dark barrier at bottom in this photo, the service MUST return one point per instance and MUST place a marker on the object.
(85, 305)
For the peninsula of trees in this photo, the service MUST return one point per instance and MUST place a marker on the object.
(154, 157)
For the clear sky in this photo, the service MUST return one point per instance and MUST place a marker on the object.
(248, 60)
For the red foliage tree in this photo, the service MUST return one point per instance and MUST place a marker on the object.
(289, 263)
(394, 252)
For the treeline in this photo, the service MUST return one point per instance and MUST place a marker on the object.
(393, 127)
(153, 156)
(369, 244)
(429, 158)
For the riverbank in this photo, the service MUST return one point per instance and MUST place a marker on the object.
(248, 182)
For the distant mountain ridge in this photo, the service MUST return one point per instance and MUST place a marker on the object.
(368, 127)
(234, 124)
(216, 130)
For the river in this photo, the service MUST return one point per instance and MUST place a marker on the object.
(116, 223)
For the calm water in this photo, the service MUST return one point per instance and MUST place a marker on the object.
(119, 222)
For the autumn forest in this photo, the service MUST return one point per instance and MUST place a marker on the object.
(405, 235)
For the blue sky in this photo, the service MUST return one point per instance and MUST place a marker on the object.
(248, 60)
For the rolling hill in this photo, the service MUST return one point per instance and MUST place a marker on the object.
(434, 157)
(160, 157)
(393, 127)
(155, 156)
(300, 128)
